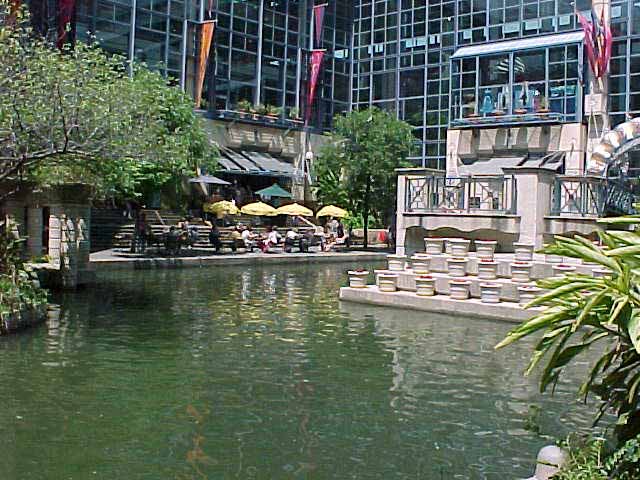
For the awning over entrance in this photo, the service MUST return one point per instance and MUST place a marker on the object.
(520, 44)
(491, 166)
(247, 162)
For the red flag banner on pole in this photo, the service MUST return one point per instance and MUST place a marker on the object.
(318, 16)
(66, 10)
(607, 44)
(316, 63)
(206, 36)
(598, 42)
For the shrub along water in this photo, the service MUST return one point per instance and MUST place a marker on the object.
(18, 289)
(583, 311)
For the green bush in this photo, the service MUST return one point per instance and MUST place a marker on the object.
(585, 460)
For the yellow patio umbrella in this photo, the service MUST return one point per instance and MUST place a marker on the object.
(259, 209)
(295, 210)
(223, 207)
(332, 211)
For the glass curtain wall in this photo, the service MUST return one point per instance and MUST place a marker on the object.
(402, 51)
(149, 31)
(261, 56)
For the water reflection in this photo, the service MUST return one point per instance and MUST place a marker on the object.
(262, 373)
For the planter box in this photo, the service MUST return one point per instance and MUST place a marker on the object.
(457, 267)
(447, 245)
(521, 272)
(523, 252)
(490, 292)
(387, 282)
(396, 262)
(434, 246)
(487, 270)
(459, 247)
(485, 249)
(602, 272)
(552, 258)
(425, 286)
(562, 270)
(420, 264)
(459, 289)
(358, 279)
(527, 293)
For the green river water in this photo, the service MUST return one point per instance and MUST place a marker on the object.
(261, 373)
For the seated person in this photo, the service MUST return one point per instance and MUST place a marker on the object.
(330, 243)
(249, 238)
(273, 239)
(172, 241)
(214, 238)
(342, 237)
(236, 238)
(291, 239)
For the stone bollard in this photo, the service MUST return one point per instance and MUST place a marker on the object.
(550, 460)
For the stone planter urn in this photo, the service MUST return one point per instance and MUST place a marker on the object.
(459, 247)
(358, 278)
(387, 282)
(459, 289)
(425, 285)
(447, 245)
(561, 270)
(434, 246)
(523, 252)
(457, 266)
(527, 293)
(602, 272)
(420, 263)
(521, 272)
(553, 258)
(396, 262)
(487, 269)
(490, 292)
(485, 249)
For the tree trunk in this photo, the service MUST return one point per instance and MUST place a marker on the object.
(365, 212)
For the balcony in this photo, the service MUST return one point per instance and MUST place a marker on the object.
(482, 194)
(590, 196)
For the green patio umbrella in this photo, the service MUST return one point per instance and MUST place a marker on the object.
(274, 190)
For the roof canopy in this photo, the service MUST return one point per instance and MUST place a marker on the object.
(519, 44)
(245, 162)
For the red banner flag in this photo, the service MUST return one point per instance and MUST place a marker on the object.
(318, 16)
(598, 41)
(66, 10)
(607, 44)
(316, 63)
(206, 36)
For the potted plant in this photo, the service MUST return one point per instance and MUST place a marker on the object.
(523, 251)
(459, 246)
(257, 111)
(521, 272)
(244, 107)
(425, 285)
(528, 293)
(485, 249)
(562, 269)
(420, 263)
(387, 282)
(487, 269)
(358, 278)
(457, 266)
(459, 289)
(434, 246)
(396, 262)
(272, 113)
(543, 109)
(294, 114)
(490, 292)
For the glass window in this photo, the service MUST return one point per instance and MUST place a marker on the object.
(412, 83)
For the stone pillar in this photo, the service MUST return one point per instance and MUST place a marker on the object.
(534, 199)
(34, 231)
(400, 208)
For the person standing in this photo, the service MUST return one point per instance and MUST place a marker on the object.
(139, 243)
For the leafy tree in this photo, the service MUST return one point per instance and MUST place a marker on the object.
(77, 115)
(582, 312)
(356, 169)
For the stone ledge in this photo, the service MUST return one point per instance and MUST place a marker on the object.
(507, 311)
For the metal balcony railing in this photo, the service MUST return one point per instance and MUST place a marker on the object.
(439, 194)
(590, 196)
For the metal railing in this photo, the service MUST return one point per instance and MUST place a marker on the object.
(590, 196)
(439, 194)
